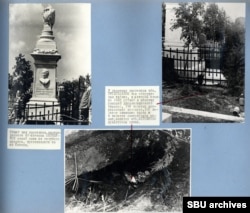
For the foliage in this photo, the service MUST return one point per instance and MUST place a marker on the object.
(163, 22)
(233, 60)
(215, 21)
(21, 79)
(202, 25)
(199, 24)
(188, 18)
(72, 93)
(19, 85)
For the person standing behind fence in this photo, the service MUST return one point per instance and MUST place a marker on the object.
(85, 104)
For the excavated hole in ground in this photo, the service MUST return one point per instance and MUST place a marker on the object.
(162, 191)
(111, 181)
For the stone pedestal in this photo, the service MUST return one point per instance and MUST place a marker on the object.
(44, 104)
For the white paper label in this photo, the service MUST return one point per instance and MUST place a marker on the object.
(132, 105)
(44, 139)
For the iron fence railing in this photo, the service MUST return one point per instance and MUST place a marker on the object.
(188, 65)
(44, 114)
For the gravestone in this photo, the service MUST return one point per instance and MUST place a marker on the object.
(44, 104)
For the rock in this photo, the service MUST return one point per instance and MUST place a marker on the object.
(88, 151)
(93, 151)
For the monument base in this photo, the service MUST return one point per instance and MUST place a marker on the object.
(43, 110)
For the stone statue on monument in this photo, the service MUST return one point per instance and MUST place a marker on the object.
(44, 80)
(44, 104)
(49, 16)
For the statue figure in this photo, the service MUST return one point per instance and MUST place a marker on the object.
(44, 80)
(49, 16)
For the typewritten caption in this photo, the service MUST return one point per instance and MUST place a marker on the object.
(42, 139)
(132, 105)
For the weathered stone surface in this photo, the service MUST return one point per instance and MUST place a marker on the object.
(44, 104)
(153, 165)
(93, 150)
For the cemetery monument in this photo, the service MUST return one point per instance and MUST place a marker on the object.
(44, 104)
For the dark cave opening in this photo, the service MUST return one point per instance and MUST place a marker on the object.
(109, 187)
(140, 159)
(113, 179)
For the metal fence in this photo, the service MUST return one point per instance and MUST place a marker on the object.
(184, 65)
(44, 114)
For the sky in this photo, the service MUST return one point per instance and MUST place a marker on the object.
(72, 31)
(233, 11)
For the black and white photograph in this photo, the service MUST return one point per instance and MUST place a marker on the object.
(49, 77)
(203, 62)
(126, 170)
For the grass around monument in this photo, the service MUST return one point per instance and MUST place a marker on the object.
(209, 99)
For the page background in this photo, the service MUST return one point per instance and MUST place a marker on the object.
(126, 50)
